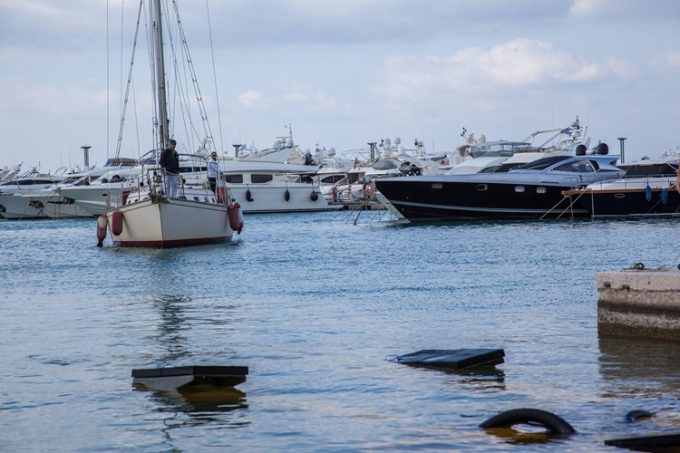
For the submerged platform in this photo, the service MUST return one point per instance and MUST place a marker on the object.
(639, 303)
(658, 443)
(452, 359)
(176, 378)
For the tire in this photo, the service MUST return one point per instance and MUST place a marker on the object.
(556, 425)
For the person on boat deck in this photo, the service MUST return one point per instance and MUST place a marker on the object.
(213, 170)
(170, 165)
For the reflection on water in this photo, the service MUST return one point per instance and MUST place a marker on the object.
(521, 435)
(171, 326)
(200, 399)
(639, 367)
(482, 378)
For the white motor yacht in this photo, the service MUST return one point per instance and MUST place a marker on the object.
(267, 186)
(13, 204)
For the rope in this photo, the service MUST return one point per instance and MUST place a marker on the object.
(129, 83)
(217, 96)
(194, 79)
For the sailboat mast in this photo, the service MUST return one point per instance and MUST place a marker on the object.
(161, 97)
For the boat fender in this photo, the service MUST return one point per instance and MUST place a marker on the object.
(648, 193)
(314, 196)
(116, 222)
(664, 195)
(102, 222)
(638, 414)
(235, 217)
(286, 195)
(249, 196)
(334, 191)
(555, 424)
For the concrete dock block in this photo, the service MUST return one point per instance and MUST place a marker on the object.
(640, 303)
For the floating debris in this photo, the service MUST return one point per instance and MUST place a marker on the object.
(452, 359)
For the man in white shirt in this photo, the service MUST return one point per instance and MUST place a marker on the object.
(213, 170)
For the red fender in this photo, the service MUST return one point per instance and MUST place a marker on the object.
(235, 217)
(101, 229)
(116, 222)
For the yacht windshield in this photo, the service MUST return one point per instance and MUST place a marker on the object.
(542, 163)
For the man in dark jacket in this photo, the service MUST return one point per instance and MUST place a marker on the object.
(170, 165)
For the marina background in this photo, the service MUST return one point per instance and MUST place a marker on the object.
(346, 73)
(316, 306)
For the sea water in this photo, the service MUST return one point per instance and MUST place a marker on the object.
(316, 305)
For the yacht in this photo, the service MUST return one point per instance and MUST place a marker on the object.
(88, 193)
(649, 188)
(261, 186)
(13, 204)
(532, 191)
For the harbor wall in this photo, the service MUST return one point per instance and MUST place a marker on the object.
(639, 303)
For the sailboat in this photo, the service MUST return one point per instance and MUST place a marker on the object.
(148, 217)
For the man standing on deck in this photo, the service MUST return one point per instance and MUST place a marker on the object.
(213, 170)
(170, 165)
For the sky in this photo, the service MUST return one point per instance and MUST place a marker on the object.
(345, 72)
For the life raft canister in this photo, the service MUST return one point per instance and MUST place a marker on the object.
(116, 222)
(235, 217)
(102, 221)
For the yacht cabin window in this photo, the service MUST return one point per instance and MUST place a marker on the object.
(234, 179)
(332, 179)
(260, 179)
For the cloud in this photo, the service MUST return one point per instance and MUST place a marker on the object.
(671, 60)
(50, 23)
(296, 97)
(518, 63)
(317, 102)
(633, 10)
(251, 99)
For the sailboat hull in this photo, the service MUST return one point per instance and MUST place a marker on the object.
(162, 222)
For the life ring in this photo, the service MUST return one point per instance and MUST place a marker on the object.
(235, 217)
(555, 424)
(102, 221)
(116, 222)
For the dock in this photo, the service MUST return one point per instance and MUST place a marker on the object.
(637, 302)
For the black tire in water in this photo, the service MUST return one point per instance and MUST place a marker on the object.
(554, 423)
